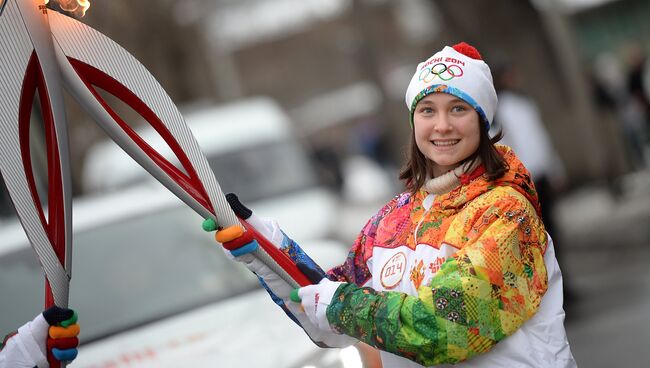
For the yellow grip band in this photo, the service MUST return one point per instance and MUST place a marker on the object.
(229, 234)
(58, 332)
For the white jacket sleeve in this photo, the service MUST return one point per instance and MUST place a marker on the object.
(27, 348)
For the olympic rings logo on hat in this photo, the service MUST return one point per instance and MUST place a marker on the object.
(442, 71)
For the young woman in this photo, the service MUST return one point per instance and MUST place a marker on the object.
(457, 269)
(52, 333)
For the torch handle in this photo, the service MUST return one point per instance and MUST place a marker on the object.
(269, 254)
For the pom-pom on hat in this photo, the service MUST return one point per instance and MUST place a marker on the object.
(459, 71)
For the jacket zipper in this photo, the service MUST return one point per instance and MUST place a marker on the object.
(417, 227)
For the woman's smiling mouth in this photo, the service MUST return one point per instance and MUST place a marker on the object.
(445, 142)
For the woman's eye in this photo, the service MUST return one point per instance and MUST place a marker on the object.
(426, 110)
(458, 108)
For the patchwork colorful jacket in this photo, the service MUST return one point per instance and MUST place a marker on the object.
(441, 279)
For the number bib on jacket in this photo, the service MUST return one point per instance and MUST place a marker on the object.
(405, 269)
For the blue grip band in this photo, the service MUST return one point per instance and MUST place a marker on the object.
(250, 247)
(64, 355)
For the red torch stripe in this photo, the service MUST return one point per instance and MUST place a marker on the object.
(55, 224)
(189, 182)
(30, 83)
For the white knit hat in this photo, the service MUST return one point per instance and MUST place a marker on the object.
(458, 71)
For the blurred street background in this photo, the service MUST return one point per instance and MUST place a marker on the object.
(339, 69)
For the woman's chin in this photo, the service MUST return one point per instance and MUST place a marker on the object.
(445, 160)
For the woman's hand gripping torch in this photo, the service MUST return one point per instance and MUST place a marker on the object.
(261, 234)
(241, 246)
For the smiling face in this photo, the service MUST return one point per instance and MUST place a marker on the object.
(447, 130)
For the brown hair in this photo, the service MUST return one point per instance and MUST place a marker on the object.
(418, 168)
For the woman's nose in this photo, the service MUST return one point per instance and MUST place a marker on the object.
(442, 123)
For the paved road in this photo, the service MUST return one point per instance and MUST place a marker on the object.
(606, 262)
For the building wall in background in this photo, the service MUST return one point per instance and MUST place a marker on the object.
(612, 27)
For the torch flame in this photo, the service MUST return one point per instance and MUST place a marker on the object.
(77, 7)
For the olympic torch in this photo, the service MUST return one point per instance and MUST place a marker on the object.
(44, 51)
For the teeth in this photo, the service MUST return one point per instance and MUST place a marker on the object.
(445, 143)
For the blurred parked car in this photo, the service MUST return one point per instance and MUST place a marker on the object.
(154, 290)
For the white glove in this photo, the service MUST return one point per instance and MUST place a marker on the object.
(27, 348)
(315, 299)
(282, 290)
